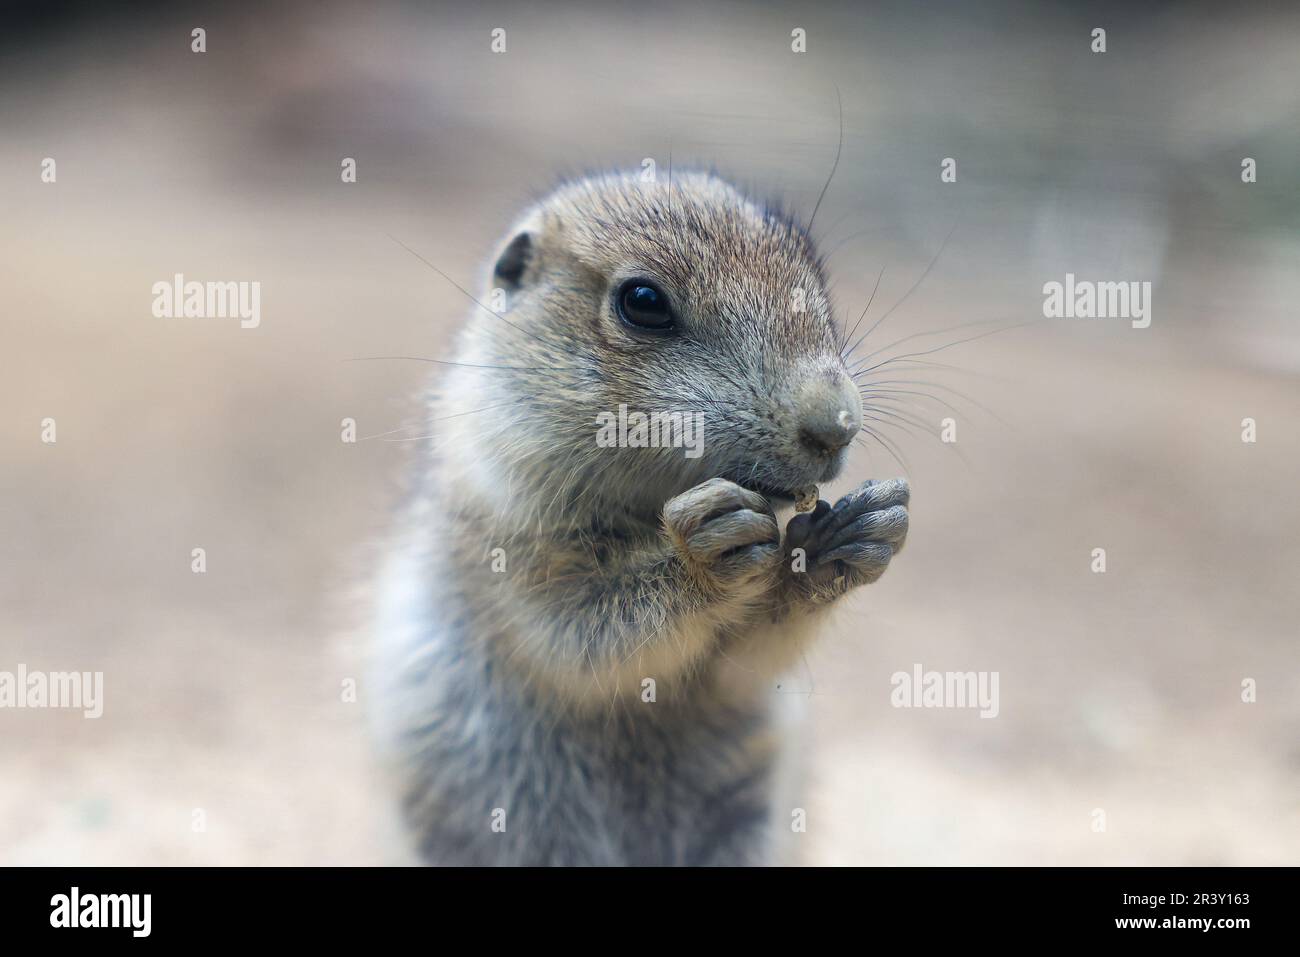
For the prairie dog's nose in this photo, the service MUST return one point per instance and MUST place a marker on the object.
(830, 412)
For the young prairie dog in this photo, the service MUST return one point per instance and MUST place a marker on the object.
(579, 642)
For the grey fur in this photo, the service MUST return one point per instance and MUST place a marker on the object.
(515, 696)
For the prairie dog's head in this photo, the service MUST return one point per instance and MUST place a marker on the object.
(642, 312)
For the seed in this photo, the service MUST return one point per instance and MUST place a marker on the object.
(806, 499)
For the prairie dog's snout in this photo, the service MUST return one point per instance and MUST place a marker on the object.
(829, 412)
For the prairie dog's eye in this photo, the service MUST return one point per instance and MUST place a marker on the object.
(644, 305)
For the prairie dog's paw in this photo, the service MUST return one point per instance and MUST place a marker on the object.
(852, 543)
(723, 532)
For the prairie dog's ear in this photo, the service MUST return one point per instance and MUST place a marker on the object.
(514, 262)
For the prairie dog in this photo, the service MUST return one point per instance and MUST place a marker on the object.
(578, 641)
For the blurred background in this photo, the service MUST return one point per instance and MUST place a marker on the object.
(1119, 691)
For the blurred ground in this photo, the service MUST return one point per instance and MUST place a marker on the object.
(1118, 691)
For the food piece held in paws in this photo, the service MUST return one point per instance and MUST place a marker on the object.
(805, 499)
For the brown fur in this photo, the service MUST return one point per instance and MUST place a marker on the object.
(627, 564)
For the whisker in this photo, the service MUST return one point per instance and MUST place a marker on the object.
(440, 418)
(449, 362)
(919, 279)
(830, 250)
(566, 342)
(880, 275)
(873, 400)
(888, 448)
(920, 335)
(377, 435)
(465, 292)
(934, 385)
(909, 365)
(894, 417)
(949, 345)
(836, 165)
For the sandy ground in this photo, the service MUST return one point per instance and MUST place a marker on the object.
(1118, 691)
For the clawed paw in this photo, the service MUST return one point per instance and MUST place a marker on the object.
(723, 530)
(853, 541)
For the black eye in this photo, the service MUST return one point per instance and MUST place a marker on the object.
(644, 305)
